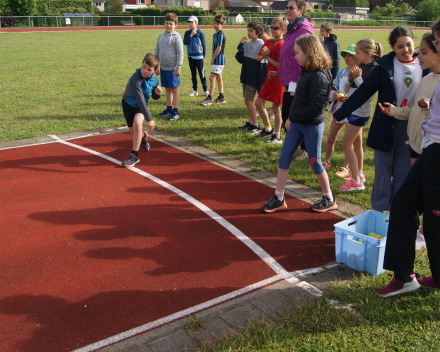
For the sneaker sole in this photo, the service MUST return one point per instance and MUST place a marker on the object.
(131, 164)
(205, 104)
(251, 133)
(284, 206)
(278, 142)
(146, 149)
(403, 290)
(333, 207)
(341, 176)
(264, 137)
(221, 102)
(174, 118)
(353, 189)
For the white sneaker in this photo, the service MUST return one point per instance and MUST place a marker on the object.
(206, 94)
(272, 117)
(194, 93)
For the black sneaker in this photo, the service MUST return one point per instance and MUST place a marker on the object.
(274, 204)
(252, 129)
(145, 146)
(245, 127)
(130, 161)
(324, 204)
(206, 101)
(274, 140)
(220, 100)
(264, 134)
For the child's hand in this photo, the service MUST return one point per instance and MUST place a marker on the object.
(243, 40)
(176, 73)
(271, 74)
(194, 32)
(158, 90)
(212, 62)
(287, 125)
(265, 52)
(342, 98)
(423, 103)
(149, 126)
(355, 73)
(386, 110)
(157, 72)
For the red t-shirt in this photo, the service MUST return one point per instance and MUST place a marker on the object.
(275, 48)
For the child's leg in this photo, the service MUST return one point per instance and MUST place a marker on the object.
(136, 131)
(277, 116)
(176, 97)
(251, 111)
(359, 151)
(333, 134)
(169, 96)
(259, 104)
(220, 84)
(212, 79)
(351, 133)
(201, 69)
(193, 68)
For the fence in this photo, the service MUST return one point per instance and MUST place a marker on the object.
(107, 21)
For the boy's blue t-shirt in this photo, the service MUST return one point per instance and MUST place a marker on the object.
(218, 39)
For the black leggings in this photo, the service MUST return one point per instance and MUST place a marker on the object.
(287, 102)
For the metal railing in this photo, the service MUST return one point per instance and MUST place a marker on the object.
(129, 20)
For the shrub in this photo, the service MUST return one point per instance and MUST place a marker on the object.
(9, 21)
(62, 4)
(22, 7)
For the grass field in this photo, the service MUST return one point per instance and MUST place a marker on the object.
(58, 82)
(62, 82)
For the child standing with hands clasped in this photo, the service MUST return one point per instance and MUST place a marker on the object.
(367, 53)
(418, 195)
(395, 78)
(307, 121)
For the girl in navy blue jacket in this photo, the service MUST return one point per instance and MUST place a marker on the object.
(395, 78)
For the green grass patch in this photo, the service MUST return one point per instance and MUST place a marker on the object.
(404, 323)
(60, 82)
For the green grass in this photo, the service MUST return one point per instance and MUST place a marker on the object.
(60, 82)
(404, 323)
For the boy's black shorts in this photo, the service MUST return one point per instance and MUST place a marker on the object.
(129, 112)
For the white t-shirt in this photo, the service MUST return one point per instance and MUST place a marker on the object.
(407, 76)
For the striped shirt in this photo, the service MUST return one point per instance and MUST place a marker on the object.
(219, 39)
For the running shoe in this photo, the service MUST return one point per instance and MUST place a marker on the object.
(327, 165)
(220, 100)
(274, 204)
(362, 177)
(427, 281)
(252, 129)
(324, 204)
(173, 116)
(352, 186)
(206, 93)
(272, 117)
(274, 140)
(245, 127)
(131, 160)
(206, 101)
(145, 146)
(396, 287)
(166, 112)
(301, 155)
(342, 172)
(193, 93)
(264, 134)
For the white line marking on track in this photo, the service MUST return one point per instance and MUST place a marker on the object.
(178, 315)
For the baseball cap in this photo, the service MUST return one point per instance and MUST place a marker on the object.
(192, 19)
(349, 50)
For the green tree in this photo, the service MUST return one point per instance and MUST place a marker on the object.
(351, 3)
(221, 8)
(22, 7)
(114, 6)
(428, 10)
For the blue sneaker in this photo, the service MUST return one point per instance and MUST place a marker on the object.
(173, 116)
(166, 112)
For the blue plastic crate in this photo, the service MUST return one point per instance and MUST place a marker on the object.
(367, 256)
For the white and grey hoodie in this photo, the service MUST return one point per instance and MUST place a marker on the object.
(169, 48)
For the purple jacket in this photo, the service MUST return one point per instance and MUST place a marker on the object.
(289, 67)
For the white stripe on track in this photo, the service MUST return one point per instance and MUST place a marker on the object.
(154, 324)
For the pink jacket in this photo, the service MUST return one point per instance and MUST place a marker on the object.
(289, 67)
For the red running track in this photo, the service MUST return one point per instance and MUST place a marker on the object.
(90, 249)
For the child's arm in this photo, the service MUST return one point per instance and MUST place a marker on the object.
(179, 56)
(157, 49)
(398, 113)
(202, 39)
(239, 56)
(136, 82)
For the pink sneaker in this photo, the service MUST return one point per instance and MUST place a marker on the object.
(327, 165)
(396, 287)
(427, 281)
(348, 179)
(342, 172)
(352, 186)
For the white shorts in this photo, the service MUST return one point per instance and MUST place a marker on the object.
(217, 69)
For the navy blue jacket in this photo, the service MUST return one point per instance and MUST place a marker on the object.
(332, 46)
(381, 134)
(196, 44)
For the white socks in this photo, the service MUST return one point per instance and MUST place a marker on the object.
(280, 194)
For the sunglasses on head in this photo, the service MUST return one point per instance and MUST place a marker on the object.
(275, 28)
(291, 8)
(435, 42)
